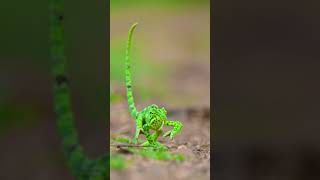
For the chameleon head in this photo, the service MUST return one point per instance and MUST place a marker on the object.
(156, 116)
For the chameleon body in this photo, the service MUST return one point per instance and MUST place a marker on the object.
(151, 117)
(80, 165)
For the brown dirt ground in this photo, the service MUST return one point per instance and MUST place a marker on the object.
(193, 142)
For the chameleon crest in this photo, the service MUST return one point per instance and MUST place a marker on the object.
(151, 117)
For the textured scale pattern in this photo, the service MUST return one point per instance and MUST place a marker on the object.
(80, 165)
(151, 117)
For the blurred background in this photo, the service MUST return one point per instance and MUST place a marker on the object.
(170, 64)
(30, 147)
(266, 95)
(170, 53)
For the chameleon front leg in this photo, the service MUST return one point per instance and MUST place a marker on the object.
(146, 131)
(138, 129)
(152, 140)
(156, 134)
(177, 126)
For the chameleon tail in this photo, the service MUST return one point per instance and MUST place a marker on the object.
(132, 107)
(81, 166)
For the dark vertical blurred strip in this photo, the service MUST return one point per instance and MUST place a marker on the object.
(108, 78)
(212, 107)
(266, 89)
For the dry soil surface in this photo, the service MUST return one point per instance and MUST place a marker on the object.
(193, 143)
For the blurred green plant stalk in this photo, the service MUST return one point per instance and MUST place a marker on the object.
(149, 153)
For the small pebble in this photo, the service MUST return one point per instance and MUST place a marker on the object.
(182, 147)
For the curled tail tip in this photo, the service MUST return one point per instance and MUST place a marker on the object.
(133, 26)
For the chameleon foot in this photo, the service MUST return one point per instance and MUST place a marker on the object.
(135, 141)
(155, 145)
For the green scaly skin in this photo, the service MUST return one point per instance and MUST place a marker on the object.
(81, 166)
(151, 117)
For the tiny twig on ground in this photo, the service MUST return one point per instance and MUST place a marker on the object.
(127, 145)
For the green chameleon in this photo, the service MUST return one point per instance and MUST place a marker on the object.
(151, 117)
(82, 167)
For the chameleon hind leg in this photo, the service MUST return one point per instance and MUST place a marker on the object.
(177, 126)
(138, 130)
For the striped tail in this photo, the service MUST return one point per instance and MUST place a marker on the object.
(81, 166)
(132, 107)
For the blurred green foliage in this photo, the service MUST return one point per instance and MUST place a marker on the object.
(157, 155)
(117, 162)
(145, 73)
(116, 4)
(122, 139)
(150, 77)
(115, 97)
(150, 153)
